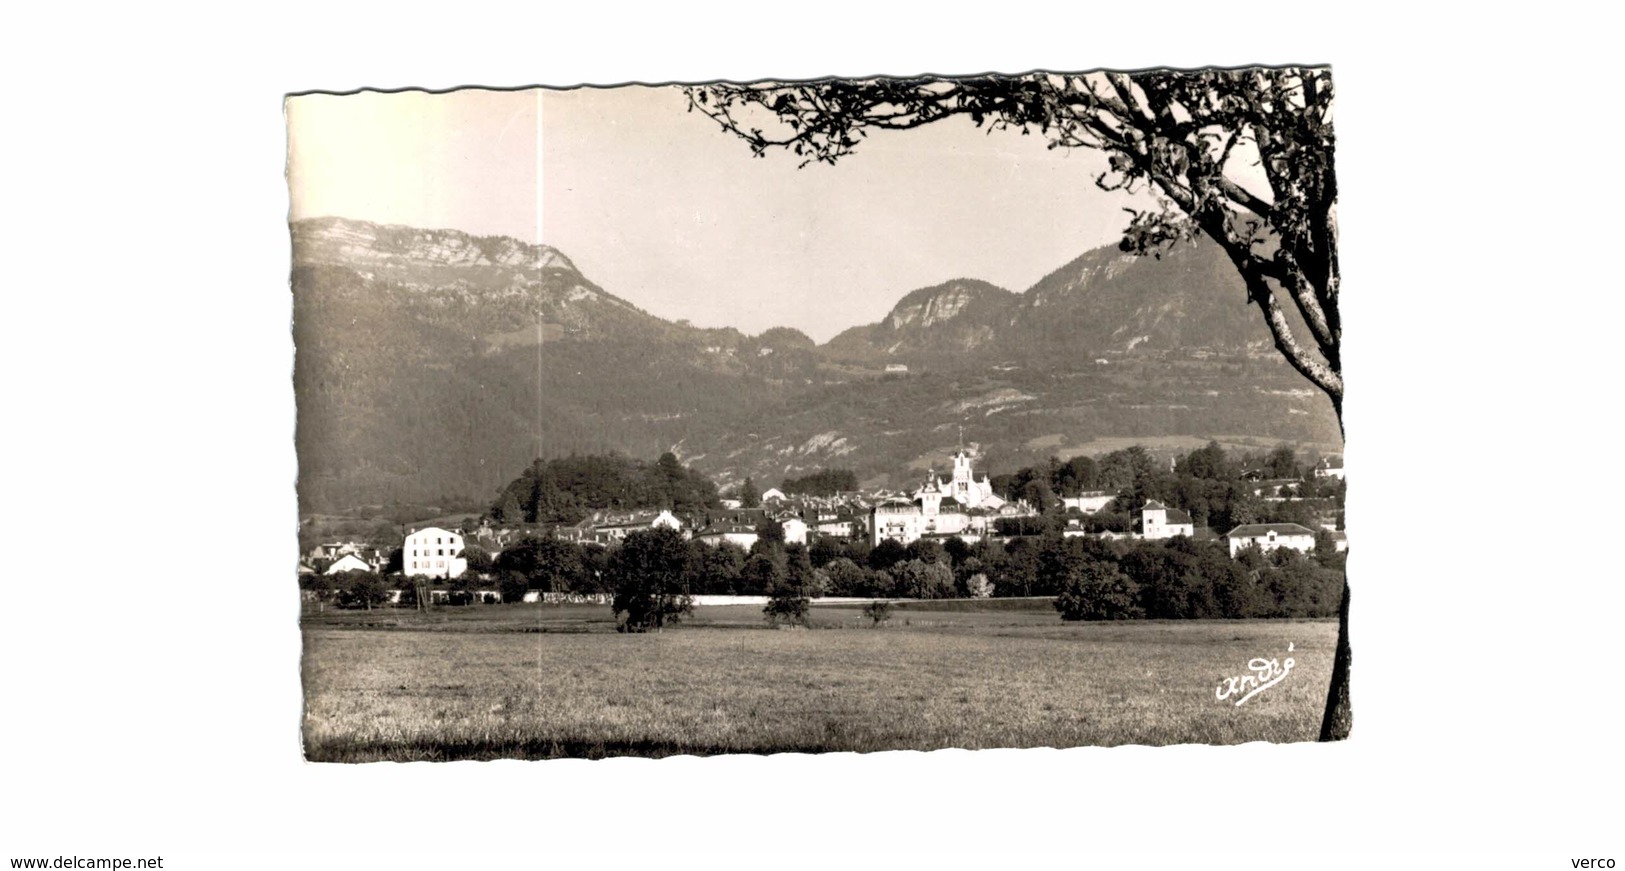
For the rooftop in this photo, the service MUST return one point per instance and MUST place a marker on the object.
(1253, 530)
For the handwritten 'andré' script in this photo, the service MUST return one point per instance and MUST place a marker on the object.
(1265, 674)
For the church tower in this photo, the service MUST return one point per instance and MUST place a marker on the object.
(930, 498)
(962, 478)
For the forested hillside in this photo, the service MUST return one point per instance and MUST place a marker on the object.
(567, 489)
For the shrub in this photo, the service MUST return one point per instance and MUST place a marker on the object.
(878, 611)
(787, 609)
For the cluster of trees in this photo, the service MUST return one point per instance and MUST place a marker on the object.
(1093, 578)
(1206, 482)
(824, 482)
(355, 589)
(549, 564)
(567, 489)
(1183, 579)
(653, 573)
(1177, 578)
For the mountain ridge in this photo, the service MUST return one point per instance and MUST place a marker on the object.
(419, 354)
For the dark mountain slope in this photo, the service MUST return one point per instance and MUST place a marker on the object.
(434, 365)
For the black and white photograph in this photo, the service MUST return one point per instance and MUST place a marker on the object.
(846, 415)
(727, 435)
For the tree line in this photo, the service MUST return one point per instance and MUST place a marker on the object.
(1207, 482)
(824, 482)
(652, 572)
(567, 489)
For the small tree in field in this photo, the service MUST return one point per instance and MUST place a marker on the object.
(789, 603)
(786, 608)
(879, 611)
(979, 586)
(647, 572)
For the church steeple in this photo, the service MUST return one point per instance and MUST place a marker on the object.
(930, 497)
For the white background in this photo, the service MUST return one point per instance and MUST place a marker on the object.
(149, 623)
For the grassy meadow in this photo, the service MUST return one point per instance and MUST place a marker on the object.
(545, 681)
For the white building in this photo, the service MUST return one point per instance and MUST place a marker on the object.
(735, 533)
(838, 528)
(434, 552)
(773, 494)
(1159, 521)
(931, 513)
(795, 531)
(348, 563)
(1330, 468)
(1089, 502)
(1270, 536)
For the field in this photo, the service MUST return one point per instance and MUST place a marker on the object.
(544, 681)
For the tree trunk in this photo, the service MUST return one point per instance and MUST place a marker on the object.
(1338, 719)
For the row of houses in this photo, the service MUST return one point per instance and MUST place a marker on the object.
(959, 505)
(1158, 521)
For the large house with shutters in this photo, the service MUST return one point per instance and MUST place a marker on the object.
(434, 552)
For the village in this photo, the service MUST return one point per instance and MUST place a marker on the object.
(956, 511)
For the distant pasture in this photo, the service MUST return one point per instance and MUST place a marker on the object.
(544, 681)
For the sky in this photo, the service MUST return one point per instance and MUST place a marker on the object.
(660, 207)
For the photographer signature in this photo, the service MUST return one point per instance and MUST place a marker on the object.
(1265, 674)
